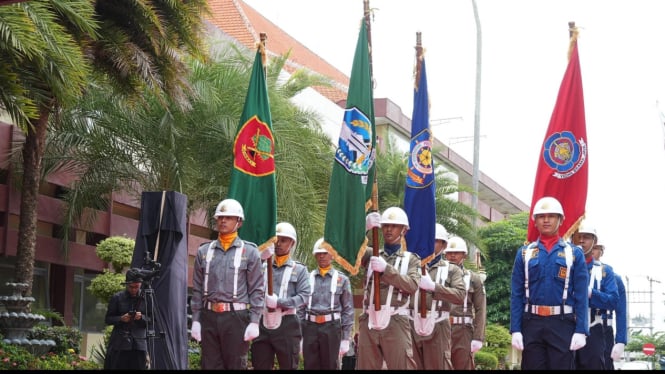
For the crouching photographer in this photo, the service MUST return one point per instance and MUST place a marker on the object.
(127, 346)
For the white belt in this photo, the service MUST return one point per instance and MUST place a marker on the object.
(460, 320)
(402, 311)
(323, 318)
(440, 315)
(226, 307)
(596, 320)
(546, 311)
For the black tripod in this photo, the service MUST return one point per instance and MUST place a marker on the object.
(152, 311)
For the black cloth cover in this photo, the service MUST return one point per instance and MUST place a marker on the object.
(169, 345)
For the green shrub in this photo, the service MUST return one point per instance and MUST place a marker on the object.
(485, 361)
(14, 357)
(117, 250)
(105, 285)
(65, 338)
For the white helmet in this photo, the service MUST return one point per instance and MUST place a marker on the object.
(456, 244)
(547, 204)
(229, 208)
(286, 229)
(396, 216)
(587, 228)
(441, 233)
(318, 248)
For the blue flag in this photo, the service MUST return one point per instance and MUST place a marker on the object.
(419, 199)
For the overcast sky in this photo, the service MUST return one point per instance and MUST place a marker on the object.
(524, 47)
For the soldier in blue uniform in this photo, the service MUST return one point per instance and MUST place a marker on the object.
(549, 304)
(614, 345)
(603, 296)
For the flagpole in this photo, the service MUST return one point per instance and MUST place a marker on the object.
(375, 187)
(423, 267)
(262, 47)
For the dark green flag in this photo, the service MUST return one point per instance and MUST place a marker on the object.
(353, 169)
(253, 174)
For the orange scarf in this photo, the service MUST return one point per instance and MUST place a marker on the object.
(227, 239)
(325, 270)
(281, 260)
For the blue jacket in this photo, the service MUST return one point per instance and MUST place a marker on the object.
(547, 274)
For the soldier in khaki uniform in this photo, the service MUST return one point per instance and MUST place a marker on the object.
(468, 318)
(443, 287)
(385, 335)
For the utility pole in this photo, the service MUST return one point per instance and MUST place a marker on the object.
(476, 122)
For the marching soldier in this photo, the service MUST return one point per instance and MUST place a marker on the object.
(467, 318)
(549, 303)
(326, 328)
(280, 335)
(603, 296)
(431, 334)
(385, 335)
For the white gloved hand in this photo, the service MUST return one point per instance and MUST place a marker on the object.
(426, 283)
(578, 341)
(267, 252)
(377, 263)
(476, 345)
(372, 220)
(271, 301)
(252, 331)
(343, 347)
(518, 341)
(196, 331)
(617, 351)
(590, 292)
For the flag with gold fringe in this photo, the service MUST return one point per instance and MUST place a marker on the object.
(351, 182)
(253, 174)
(563, 163)
(419, 195)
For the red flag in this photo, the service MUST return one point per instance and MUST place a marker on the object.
(563, 165)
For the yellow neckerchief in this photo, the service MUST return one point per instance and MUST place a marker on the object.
(324, 271)
(281, 260)
(227, 239)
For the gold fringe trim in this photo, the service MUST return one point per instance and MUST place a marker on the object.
(573, 40)
(268, 242)
(352, 269)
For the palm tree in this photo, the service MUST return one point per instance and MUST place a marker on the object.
(42, 65)
(47, 63)
(454, 215)
(112, 147)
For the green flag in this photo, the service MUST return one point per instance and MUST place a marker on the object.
(253, 174)
(353, 169)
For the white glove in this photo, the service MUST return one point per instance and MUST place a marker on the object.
(252, 331)
(476, 345)
(343, 347)
(267, 252)
(271, 301)
(590, 292)
(578, 341)
(377, 263)
(426, 283)
(617, 351)
(372, 220)
(196, 331)
(518, 341)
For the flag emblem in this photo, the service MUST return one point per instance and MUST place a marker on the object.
(564, 154)
(254, 148)
(421, 161)
(354, 151)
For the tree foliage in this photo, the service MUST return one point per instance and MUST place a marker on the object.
(501, 240)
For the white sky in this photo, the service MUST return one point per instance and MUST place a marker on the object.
(524, 56)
